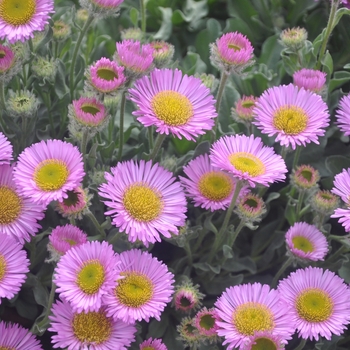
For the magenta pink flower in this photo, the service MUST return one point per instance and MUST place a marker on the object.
(206, 322)
(264, 340)
(7, 58)
(342, 186)
(243, 112)
(310, 79)
(152, 344)
(342, 115)
(344, 217)
(6, 150)
(107, 3)
(88, 111)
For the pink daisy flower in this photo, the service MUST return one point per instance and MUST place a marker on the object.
(92, 330)
(7, 59)
(13, 267)
(264, 340)
(310, 79)
(144, 291)
(145, 200)
(87, 111)
(19, 216)
(18, 22)
(344, 217)
(6, 150)
(85, 273)
(305, 241)
(152, 344)
(13, 336)
(246, 158)
(162, 54)
(175, 104)
(206, 322)
(243, 111)
(187, 297)
(107, 3)
(342, 186)
(209, 187)
(249, 308)
(297, 116)
(45, 171)
(342, 115)
(318, 302)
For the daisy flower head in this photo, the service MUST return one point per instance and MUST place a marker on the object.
(6, 150)
(310, 79)
(297, 116)
(209, 187)
(13, 336)
(342, 186)
(162, 54)
(344, 217)
(187, 297)
(174, 103)
(249, 308)
(306, 242)
(318, 302)
(305, 177)
(206, 323)
(152, 344)
(46, 170)
(85, 273)
(231, 53)
(9, 63)
(101, 8)
(342, 115)
(243, 111)
(294, 38)
(13, 267)
(144, 290)
(246, 158)
(20, 20)
(145, 200)
(324, 202)
(250, 208)
(264, 340)
(88, 330)
(188, 333)
(19, 216)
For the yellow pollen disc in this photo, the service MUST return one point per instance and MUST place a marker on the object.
(302, 243)
(234, 47)
(264, 344)
(17, 12)
(314, 305)
(70, 242)
(142, 203)
(207, 322)
(172, 107)
(248, 104)
(7, 348)
(10, 205)
(2, 267)
(51, 175)
(146, 348)
(291, 120)
(92, 328)
(252, 317)
(2, 55)
(106, 74)
(247, 163)
(91, 277)
(215, 185)
(134, 290)
(91, 109)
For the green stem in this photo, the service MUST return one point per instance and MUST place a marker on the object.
(296, 157)
(75, 54)
(121, 126)
(24, 131)
(339, 252)
(96, 224)
(84, 142)
(235, 234)
(280, 271)
(189, 254)
(150, 138)
(143, 16)
(159, 141)
(2, 96)
(219, 95)
(301, 345)
(284, 151)
(320, 218)
(329, 29)
(300, 202)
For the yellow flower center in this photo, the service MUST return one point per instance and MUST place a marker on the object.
(6, 348)
(2, 55)
(314, 305)
(302, 243)
(17, 12)
(252, 317)
(89, 108)
(134, 290)
(51, 175)
(234, 47)
(91, 277)
(264, 344)
(247, 163)
(106, 74)
(207, 322)
(215, 185)
(70, 241)
(92, 328)
(10, 205)
(172, 107)
(291, 120)
(148, 348)
(2, 267)
(142, 203)
(248, 104)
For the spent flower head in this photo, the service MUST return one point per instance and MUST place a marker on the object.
(101, 8)
(208, 80)
(61, 30)
(22, 104)
(188, 333)
(294, 38)
(133, 33)
(163, 53)
(45, 68)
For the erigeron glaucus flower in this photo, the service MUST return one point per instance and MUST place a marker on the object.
(101, 8)
(209, 187)
(163, 52)
(246, 158)
(324, 202)
(231, 53)
(6, 150)
(342, 186)
(305, 177)
(188, 333)
(152, 344)
(318, 302)
(342, 115)
(19, 216)
(13, 336)
(206, 323)
(19, 20)
(294, 38)
(344, 217)
(144, 200)
(13, 267)
(85, 273)
(243, 111)
(187, 297)
(137, 58)
(105, 76)
(310, 79)
(306, 242)
(144, 290)
(46, 170)
(297, 116)
(7, 59)
(264, 341)
(249, 308)
(250, 208)
(174, 103)
(88, 330)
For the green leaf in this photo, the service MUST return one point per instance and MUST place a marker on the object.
(192, 63)
(166, 27)
(339, 14)
(134, 16)
(336, 163)
(220, 283)
(339, 78)
(327, 62)
(227, 251)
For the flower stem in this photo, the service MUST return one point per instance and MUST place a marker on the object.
(301, 345)
(159, 141)
(2, 96)
(300, 202)
(150, 138)
(296, 157)
(143, 16)
(235, 234)
(75, 54)
(96, 224)
(121, 126)
(280, 271)
(284, 151)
